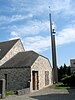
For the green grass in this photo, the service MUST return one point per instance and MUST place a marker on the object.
(61, 86)
(9, 93)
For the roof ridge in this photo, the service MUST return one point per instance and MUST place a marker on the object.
(10, 40)
(6, 46)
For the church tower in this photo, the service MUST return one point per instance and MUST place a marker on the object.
(53, 46)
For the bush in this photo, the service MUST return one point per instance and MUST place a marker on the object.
(69, 80)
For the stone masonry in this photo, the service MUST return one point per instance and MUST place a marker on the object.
(18, 47)
(17, 66)
(17, 78)
(41, 65)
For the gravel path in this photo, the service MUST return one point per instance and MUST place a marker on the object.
(46, 94)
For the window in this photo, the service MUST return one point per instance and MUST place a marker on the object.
(74, 63)
(46, 78)
(73, 72)
(6, 81)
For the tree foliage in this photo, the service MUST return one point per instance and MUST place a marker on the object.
(63, 71)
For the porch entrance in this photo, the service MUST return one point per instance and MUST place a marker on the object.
(35, 81)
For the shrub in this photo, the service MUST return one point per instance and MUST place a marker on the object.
(69, 80)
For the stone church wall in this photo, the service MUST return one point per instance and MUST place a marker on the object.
(18, 47)
(17, 78)
(42, 65)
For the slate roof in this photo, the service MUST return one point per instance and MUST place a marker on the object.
(6, 46)
(22, 59)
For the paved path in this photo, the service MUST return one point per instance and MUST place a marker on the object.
(46, 94)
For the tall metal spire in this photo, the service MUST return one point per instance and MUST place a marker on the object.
(54, 61)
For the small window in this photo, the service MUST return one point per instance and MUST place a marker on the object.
(73, 72)
(74, 63)
(6, 81)
(46, 77)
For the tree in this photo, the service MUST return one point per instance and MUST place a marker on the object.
(63, 71)
(60, 73)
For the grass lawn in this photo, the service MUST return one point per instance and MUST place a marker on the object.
(61, 86)
(9, 93)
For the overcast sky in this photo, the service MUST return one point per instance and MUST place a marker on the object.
(29, 21)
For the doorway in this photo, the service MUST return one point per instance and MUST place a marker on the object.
(35, 81)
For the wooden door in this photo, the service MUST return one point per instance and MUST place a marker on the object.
(35, 80)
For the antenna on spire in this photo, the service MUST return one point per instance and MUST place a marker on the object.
(49, 8)
(50, 23)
